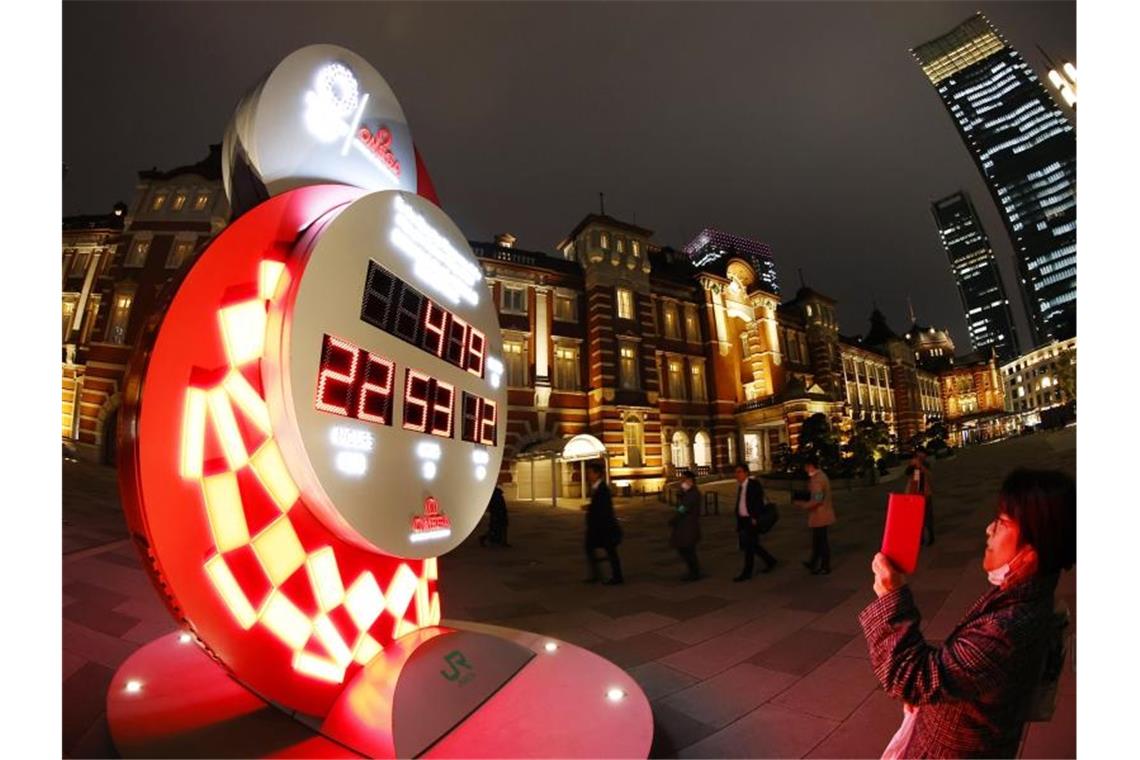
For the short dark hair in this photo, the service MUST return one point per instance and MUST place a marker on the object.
(595, 465)
(689, 474)
(742, 466)
(812, 459)
(1044, 504)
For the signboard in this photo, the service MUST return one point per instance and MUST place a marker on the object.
(385, 377)
(323, 115)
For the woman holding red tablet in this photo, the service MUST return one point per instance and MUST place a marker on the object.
(971, 695)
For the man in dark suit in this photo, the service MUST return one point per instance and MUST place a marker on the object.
(749, 502)
(602, 529)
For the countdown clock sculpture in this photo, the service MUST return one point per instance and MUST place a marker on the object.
(318, 414)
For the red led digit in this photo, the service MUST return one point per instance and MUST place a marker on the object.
(436, 323)
(334, 387)
(487, 422)
(416, 401)
(442, 414)
(476, 347)
(457, 342)
(376, 392)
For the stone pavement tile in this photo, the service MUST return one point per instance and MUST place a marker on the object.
(124, 580)
(630, 625)
(819, 599)
(96, 742)
(844, 618)
(84, 701)
(108, 651)
(629, 606)
(833, 690)
(97, 617)
(130, 560)
(148, 607)
(506, 610)
(725, 697)
(635, 650)
(673, 731)
(576, 636)
(714, 655)
(767, 731)
(801, 652)
(1058, 737)
(856, 648)
(703, 627)
(658, 680)
(866, 733)
(97, 595)
(149, 630)
(774, 625)
(71, 663)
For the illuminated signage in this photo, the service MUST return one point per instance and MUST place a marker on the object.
(323, 115)
(431, 525)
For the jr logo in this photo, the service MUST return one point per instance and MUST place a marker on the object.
(455, 660)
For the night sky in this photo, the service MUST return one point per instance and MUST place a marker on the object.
(807, 125)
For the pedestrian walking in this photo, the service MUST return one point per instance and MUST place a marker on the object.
(918, 482)
(686, 524)
(749, 504)
(971, 695)
(496, 521)
(820, 514)
(602, 529)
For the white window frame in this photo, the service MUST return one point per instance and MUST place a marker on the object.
(521, 361)
(628, 377)
(671, 327)
(626, 307)
(675, 380)
(569, 314)
(698, 391)
(138, 252)
(633, 440)
(510, 308)
(567, 369)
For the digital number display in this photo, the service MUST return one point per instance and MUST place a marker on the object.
(428, 404)
(479, 418)
(398, 309)
(354, 383)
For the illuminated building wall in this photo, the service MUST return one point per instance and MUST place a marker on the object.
(1040, 380)
(1025, 148)
(988, 316)
(116, 270)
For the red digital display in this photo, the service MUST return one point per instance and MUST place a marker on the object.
(353, 382)
(398, 309)
(428, 404)
(479, 418)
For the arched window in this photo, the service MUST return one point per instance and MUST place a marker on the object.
(702, 449)
(680, 449)
(634, 440)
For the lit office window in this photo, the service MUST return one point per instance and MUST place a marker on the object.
(624, 303)
(697, 380)
(514, 299)
(565, 307)
(672, 328)
(634, 440)
(676, 378)
(628, 366)
(514, 351)
(566, 368)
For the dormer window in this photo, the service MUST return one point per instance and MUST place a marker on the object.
(620, 246)
(636, 247)
(605, 241)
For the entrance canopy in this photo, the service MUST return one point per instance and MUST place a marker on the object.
(542, 483)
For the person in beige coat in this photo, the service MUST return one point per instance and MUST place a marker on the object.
(820, 515)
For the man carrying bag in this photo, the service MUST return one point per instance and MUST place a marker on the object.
(751, 511)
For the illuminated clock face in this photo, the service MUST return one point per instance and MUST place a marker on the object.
(385, 377)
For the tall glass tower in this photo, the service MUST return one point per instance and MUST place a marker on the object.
(1025, 148)
(975, 268)
(712, 245)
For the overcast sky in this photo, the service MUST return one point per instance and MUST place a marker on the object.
(804, 125)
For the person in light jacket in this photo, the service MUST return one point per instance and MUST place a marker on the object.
(820, 514)
(971, 695)
(686, 524)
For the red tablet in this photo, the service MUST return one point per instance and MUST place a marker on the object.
(903, 532)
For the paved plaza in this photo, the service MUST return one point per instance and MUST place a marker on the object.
(775, 667)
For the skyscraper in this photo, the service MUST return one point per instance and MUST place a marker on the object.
(988, 316)
(1025, 148)
(713, 245)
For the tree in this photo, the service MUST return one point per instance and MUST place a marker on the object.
(816, 437)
